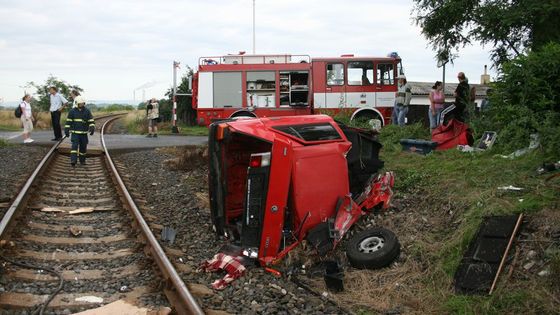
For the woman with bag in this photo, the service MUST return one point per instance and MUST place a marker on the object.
(26, 118)
(152, 113)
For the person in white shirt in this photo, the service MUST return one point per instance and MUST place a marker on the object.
(58, 102)
(26, 118)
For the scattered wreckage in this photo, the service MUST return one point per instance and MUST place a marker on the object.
(275, 182)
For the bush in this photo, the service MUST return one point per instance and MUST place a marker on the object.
(115, 108)
(344, 116)
(525, 100)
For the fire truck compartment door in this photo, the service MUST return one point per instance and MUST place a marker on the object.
(277, 199)
(205, 90)
(335, 99)
(385, 99)
(319, 100)
(227, 89)
(360, 99)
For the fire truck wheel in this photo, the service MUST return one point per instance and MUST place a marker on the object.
(373, 249)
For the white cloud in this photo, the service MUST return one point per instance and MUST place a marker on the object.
(111, 47)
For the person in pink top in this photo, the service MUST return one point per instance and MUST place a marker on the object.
(437, 98)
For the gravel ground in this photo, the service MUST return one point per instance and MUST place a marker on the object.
(12, 177)
(42, 254)
(171, 200)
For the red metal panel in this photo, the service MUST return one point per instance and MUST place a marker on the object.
(276, 201)
(194, 99)
(325, 59)
(263, 127)
(256, 67)
(386, 112)
(244, 89)
(324, 164)
(277, 92)
(319, 77)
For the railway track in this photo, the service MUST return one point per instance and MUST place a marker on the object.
(73, 239)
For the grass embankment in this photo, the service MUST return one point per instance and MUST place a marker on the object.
(441, 199)
(9, 122)
(136, 123)
(3, 143)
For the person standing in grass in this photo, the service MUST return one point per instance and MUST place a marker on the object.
(26, 118)
(58, 102)
(436, 104)
(152, 113)
(403, 97)
(462, 97)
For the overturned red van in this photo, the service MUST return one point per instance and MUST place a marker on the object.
(277, 181)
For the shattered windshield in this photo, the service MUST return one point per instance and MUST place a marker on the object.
(315, 132)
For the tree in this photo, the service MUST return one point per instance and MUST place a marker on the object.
(43, 100)
(511, 27)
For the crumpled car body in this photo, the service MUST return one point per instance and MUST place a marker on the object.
(274, 182)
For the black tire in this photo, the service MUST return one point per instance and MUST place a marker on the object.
(373, 249)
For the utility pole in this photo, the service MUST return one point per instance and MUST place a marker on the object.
(176, 64)
(443, 79)
(174, 129)
(442, 61)
(254, 45)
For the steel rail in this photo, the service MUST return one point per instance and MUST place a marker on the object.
(24, 192)
(178, 295)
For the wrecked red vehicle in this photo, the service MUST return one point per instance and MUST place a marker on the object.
(275, 182)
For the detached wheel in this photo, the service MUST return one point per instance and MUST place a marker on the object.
(373, 249)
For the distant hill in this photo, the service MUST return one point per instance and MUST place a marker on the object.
(99, 103)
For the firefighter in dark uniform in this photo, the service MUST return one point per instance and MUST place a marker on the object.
(78, 123)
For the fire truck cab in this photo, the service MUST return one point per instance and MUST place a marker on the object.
(365, 86)
(290, 85)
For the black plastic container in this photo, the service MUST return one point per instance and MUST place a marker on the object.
(334, 276)
(418, 146)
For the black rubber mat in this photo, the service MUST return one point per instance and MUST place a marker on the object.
(482, 259)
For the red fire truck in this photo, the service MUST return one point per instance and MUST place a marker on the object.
(286, 85)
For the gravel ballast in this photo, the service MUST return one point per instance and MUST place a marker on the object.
(175, 198)
(18, 162)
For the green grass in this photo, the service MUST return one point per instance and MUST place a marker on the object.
(4, 143)
(468, 184)
(9, 128)
(136, 123)
(184, 130)
(514, 302)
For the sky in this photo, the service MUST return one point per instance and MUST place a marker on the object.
(111, 48)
